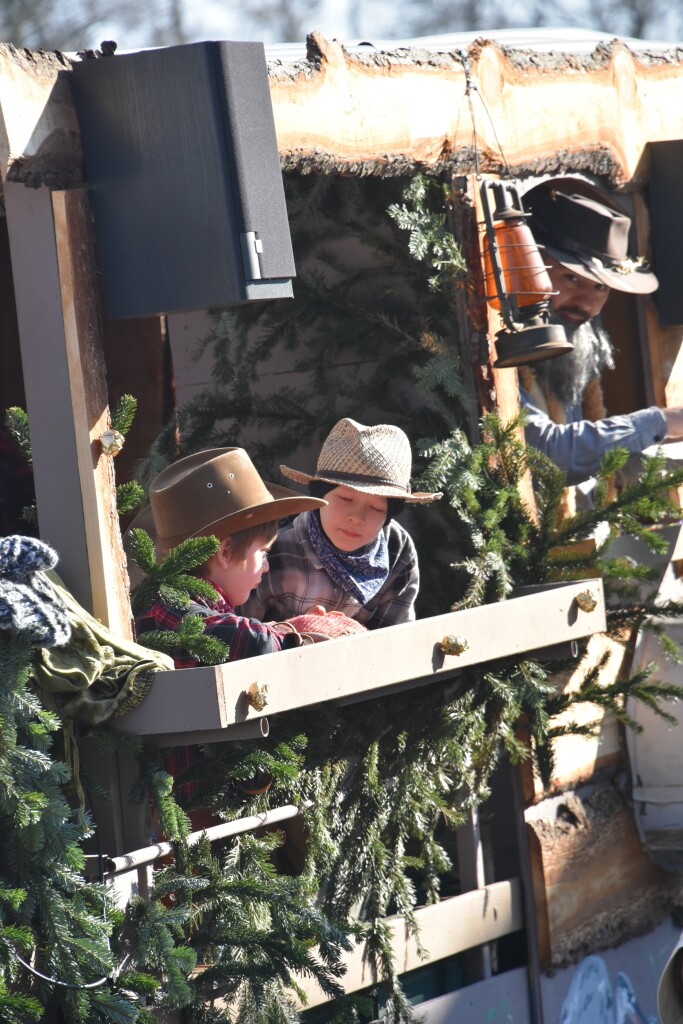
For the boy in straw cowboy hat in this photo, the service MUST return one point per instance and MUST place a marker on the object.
(350, 556)
(219, 493)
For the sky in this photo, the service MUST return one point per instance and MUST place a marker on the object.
(353, 19)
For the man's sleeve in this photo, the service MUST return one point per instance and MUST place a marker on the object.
(577, 448)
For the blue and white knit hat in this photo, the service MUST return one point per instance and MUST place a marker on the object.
(29, 606)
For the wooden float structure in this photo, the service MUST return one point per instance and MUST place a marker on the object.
(591, 115)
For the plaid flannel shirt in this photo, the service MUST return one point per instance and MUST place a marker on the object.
(296, 581)
(245, 637)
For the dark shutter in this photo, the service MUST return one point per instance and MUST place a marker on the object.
(186, 189)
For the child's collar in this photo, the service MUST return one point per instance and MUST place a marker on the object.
(223, 597)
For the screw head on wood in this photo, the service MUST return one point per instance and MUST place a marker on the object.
(257, 695)
(112, 442)
(453, 645)
(586, 601)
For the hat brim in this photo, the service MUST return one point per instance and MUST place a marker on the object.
(357, 484)
(669, 1000)
(254, 515)
(637, 281)
(289, 503)
(285, 503)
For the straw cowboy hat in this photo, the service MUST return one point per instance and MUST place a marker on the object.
(376, 460)
(217, 492)
(587, 237)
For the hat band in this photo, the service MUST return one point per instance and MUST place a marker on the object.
(381, 480)
(625, 266)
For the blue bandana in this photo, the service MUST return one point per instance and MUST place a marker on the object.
(359, 573)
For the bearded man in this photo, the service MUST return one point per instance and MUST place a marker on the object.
(586, 248)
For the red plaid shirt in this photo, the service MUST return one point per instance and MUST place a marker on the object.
(245, 637)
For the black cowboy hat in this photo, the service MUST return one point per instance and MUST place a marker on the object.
(587, 237)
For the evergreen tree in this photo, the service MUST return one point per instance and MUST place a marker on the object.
(55, 928)
(369, 334)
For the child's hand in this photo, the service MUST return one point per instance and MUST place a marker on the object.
(317, 609)
(326, 626)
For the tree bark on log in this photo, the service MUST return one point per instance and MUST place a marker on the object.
(594, 885)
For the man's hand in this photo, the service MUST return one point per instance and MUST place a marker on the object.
(674, 423)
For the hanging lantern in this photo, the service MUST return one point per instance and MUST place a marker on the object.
(517, 282)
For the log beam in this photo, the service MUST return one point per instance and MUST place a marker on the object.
(586, 854)
(392, 113)
(40, 142)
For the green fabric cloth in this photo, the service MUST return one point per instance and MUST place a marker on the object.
(96, 675)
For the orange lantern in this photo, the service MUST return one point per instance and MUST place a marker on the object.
(517, 283)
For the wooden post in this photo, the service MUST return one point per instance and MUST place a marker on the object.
(66, 395)
(472, 876)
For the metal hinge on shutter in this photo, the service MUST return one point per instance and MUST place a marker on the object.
(251, 247)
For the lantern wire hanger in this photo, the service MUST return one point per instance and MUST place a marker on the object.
(515, 275)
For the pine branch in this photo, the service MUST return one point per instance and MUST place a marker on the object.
(123, 415)
(16, 422)
(129, 496)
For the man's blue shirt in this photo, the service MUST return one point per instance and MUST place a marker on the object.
(578, 445)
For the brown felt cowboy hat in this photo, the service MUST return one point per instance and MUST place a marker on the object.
(588, 237)
(217, 492)
(375, 460)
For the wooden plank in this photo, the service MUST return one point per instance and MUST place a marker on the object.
(66, 395)
(472, 876)
(503, 998)
(446, 928)
(578, 758)
(498, 389)
(214, 697)
(147, 377)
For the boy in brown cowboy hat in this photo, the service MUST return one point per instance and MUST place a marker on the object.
(350, 556)
(586, 247)
(219, 493)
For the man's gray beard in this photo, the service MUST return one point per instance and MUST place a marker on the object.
(567, 376)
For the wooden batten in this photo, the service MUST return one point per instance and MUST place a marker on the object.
(354, 668)
(452, 926)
